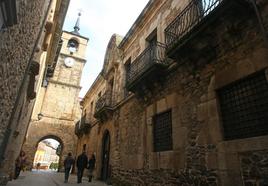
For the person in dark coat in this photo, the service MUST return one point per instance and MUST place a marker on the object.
(81, 164)
(68, 163)
(20, 164)
(91, 167)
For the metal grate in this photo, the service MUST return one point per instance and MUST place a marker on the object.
(162, 131)
(244, 107)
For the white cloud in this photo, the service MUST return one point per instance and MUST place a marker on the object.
(100, 19)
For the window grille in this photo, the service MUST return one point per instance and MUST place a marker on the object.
(162, 131)
(244, 107)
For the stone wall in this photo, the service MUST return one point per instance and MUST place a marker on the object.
(17, 50)
(17, 45)
(254, 167)
(200, 154)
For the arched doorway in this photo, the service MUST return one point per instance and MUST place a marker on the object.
(48, 154)
(105, 171)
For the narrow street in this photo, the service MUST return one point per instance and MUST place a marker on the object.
(45, 178)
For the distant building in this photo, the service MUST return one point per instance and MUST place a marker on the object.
(182, 99)
(45, 155)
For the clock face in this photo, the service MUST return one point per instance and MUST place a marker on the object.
(69, 62)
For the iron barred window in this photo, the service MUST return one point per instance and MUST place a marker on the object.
(162, 131)
(244, 107)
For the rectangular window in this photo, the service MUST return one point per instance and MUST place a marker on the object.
(127, 66)
(162, 131)
(244, 107)
(91, 108)
(152, 38)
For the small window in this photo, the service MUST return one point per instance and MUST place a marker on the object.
(162, 131)
(99, 94)
(152, 38)
(91, 107)
(244, 107)
(127, 68)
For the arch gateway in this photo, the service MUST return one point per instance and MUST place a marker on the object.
(38, 132)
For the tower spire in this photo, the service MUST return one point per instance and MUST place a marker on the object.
(77, 25)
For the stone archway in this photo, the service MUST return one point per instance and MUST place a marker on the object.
(60, 132)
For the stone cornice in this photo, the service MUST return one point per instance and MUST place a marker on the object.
(136, 23)
(65, 84)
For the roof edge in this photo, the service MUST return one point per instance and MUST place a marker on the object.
(134, 25)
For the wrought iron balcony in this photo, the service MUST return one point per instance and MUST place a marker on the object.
(77, 130)
(104, 105)
(195, 16)
(148, 64)
(83, 125)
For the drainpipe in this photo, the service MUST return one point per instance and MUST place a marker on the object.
(7, 134)
(260, 21)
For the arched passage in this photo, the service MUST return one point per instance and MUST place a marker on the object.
(105, 157)
(48, 153)
(64, 134)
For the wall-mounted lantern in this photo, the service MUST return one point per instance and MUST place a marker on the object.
(40, 116)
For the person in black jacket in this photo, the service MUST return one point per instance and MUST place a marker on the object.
(81, 164)
(68, 163)
(91, 167)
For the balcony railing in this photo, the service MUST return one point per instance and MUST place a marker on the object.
(83, 125)
(84, 121)
(106, 101)
(154, 54)
(191, 16)
(77, 130)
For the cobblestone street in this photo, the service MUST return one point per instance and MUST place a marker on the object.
(45, 178)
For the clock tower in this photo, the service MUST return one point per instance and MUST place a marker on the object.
(57, 107)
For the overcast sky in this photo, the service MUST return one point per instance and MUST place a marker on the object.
(99, 21)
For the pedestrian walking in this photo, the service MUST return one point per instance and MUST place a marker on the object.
(68, 164)
(20, 163)
(38, 166)
(81, 164)
(91, 167)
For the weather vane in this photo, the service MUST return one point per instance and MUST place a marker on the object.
(77, 24)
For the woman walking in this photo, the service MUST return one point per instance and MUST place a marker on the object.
(20, 164)
(91, 167)
(68, 164)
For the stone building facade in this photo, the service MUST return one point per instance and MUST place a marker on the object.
(57, 106)
(28, 36)
(182, 98)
